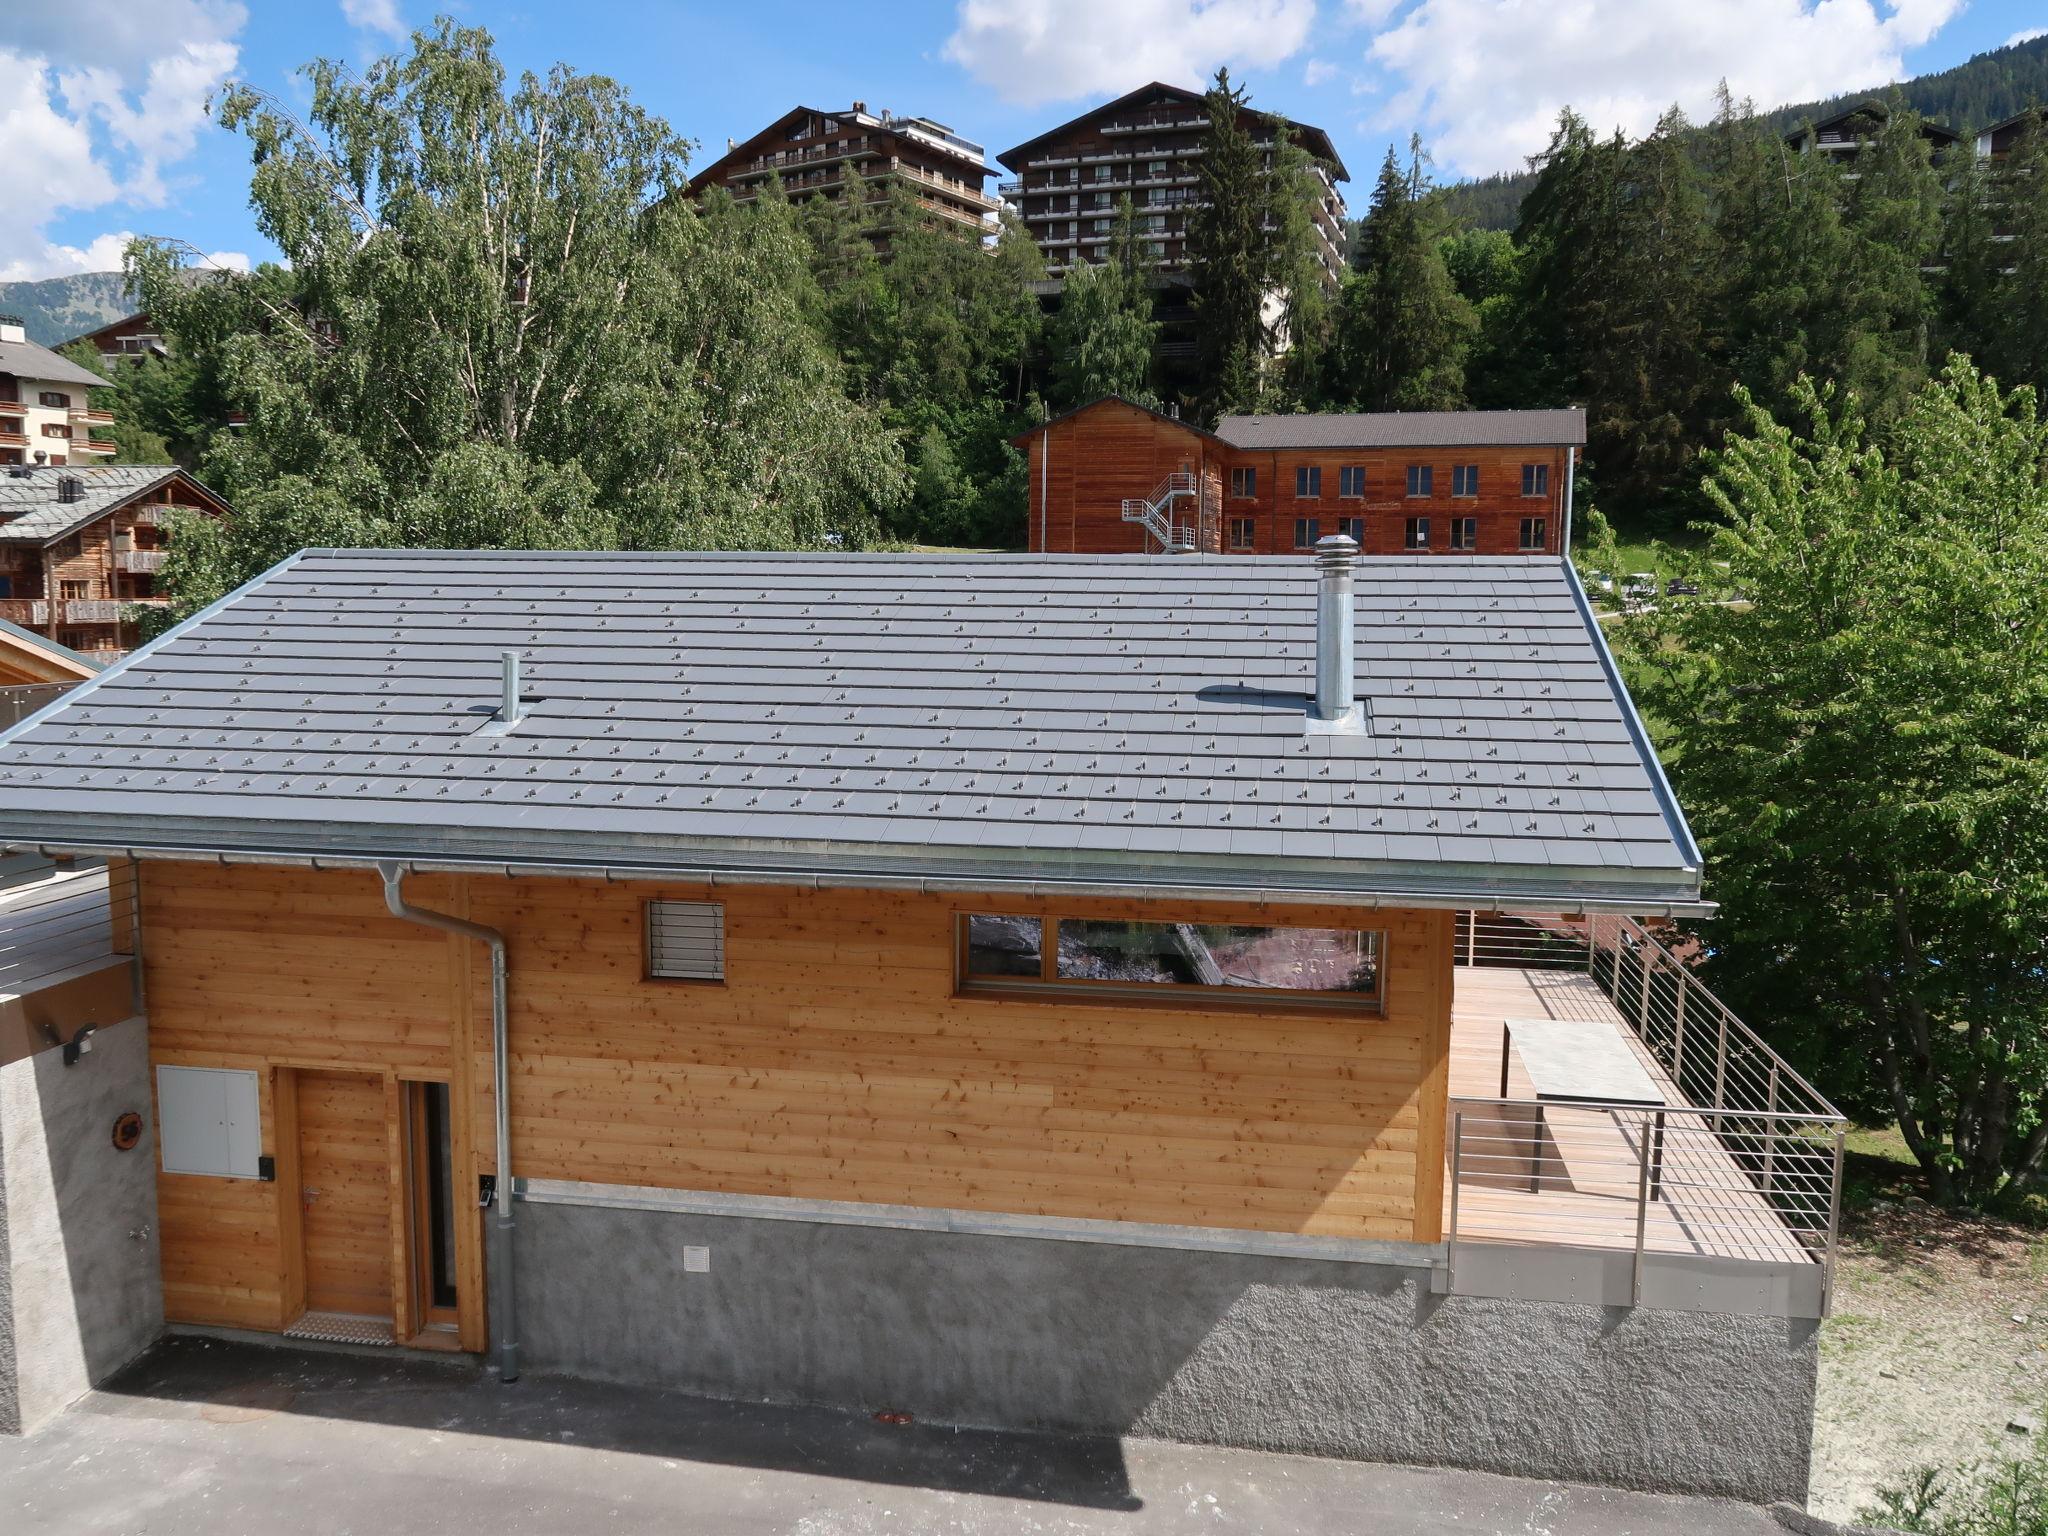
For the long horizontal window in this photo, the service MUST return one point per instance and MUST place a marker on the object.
(1167, 959)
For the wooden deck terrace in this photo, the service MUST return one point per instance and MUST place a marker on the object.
(1575, 1176)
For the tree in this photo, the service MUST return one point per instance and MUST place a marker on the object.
(1230, 257)
(135, 438)
(503, 324)
(1101, 341)
(1404, 327)
(1873, 332)
(1863, 747)
(2017, 336)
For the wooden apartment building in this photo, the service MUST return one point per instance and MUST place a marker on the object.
(1117, 478)
(815, 154)
(1145, 145)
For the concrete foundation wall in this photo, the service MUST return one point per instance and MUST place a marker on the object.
(80, 1288)
(1276, 1353)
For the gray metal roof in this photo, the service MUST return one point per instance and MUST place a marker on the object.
(26, 360)
(30, 512)
(1408, 429)
(1130, 721)
(45, 643)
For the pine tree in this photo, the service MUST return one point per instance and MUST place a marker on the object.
(2018, 341)
(1230, 258)
(1873, 336)
(1101, 340)
(1404, 327)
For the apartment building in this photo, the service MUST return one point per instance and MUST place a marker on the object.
(2001, 139)
(46, 416)
(1146, 145)
(1117, 478)
(1839, 137)
(814, 152)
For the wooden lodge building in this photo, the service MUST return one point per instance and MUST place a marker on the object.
(1145, 145)
(80, 547)
(1117, 478)
(816, 154)
(1098, 994)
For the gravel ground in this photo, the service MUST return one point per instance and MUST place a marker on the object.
(1939, 1340)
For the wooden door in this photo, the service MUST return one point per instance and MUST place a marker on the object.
(345, 1193)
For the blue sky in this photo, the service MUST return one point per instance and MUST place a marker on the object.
(103, 102)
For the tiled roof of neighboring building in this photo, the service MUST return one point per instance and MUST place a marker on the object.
(957, 722)
(26, 360)
(1315, 140)
(1408, 429)
(30, 512)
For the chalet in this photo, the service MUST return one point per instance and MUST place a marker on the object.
(1211, 999)
(46, 415)
(1840, 137)
(1117, 478)
(2000, 140)
(818, 154)
(80, 547)
(1146, 145)
(126, 340)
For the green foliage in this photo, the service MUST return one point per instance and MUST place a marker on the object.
(2008, 1496)
(1405, 326)
(1101, 341)
(1861, 747)
(1230, 258)
(134, 431)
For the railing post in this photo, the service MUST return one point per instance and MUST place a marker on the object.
(1643, 957)
(1457, 1167)
(1592, 941)
(1642, 1208)
(1771, 1134)
(1721, 1068)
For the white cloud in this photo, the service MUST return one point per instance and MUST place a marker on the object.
(1319, 72)
(1033, 51)
(1372, 12)
(1485, 79)
(2024, 37)
(375, 16)
(98, 99)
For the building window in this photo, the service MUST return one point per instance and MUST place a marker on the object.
(1240, 533)
(1244, 482)
(1535, 479)
(1306, 531)
(207, 1122)
(1167, 961)
(1308, 482)
(56, 429)
(1421, 480)
(1464, 533)
(1417, 536)
(74, 591)
(51, 400)
(1532, 533)
(1464, 479)
(686, 940)
(1351, 480)
(1353, 528)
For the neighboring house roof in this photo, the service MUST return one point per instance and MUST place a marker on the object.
(139, 319)
(1314, 139)
(1877, 114)
(1101, 400)
(2039, 113)
(26, 360)
(927, 133)
(947, 722)
(25, 651)
(1408, 429)
(30, 512)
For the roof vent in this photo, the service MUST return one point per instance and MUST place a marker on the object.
(70, 488)
(1335, 710)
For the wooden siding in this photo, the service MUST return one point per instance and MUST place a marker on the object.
(1111, 450)
(835, 1061)
(344, 1188)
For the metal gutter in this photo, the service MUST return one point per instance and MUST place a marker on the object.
(1674, 816)
(506, 1311)
(1555, 902)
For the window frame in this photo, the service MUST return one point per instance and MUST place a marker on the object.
(1423, 475)
(1465, 482)
(1352, 526)
(1311, 476)
(1244, 482)
(1351, 475)
(1468, 527)
(1537, 475)
(1409, 541)
(1542, 544)
(1050, 987)
(1250, 530)
(1314, 526)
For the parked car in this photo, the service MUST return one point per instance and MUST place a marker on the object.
(1639, 589)
(1678, 586)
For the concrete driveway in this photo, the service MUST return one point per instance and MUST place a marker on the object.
(220, 1438)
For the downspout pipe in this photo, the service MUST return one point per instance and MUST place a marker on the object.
(506, 1311)
(1571, 464)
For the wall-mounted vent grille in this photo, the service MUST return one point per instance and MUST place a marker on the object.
(686, 940)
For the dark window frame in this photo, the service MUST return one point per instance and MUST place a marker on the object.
(1244, 482)
(1465, 481)
(1314, 528)
(1050, 987)
(1352, 527)
(1541, 526)
(1249, 527)
(1465, 533)
(1415, 526)
(1421, 481)
(1351, 482)
(1535, 479)
(1311, 477)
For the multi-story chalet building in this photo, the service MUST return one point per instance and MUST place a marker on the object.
(1840, 136)
(126, 339)
(1116, 478)
(2001, 139)
(80, 547)
(1146, 146)
(45, 414)
(812, 152)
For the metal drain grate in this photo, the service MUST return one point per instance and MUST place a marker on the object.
(342, 1328)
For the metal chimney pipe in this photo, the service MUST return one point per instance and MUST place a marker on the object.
(510, 709)
(1336, 673)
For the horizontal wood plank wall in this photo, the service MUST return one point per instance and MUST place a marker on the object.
(1098, 458)
(835, 1061)
(267, 970)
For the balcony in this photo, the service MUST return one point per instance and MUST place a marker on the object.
(154, 516)
(92, 610)
(1713, 1183)
(97, 418)
(139, 562)
(29, 613)
(13, 439)
(93, 445)
(1159, 125)
(67, 943)
(13, 408)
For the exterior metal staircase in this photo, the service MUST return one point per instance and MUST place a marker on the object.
(1179, 513)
